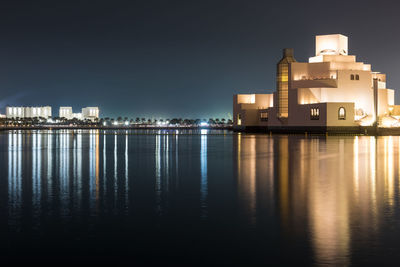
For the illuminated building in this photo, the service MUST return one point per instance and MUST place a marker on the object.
(77, 116)
(251, 109)
(331, 90)
(28, 112)
(65, 112)
(90, 113)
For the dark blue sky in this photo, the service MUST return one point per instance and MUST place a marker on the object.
(174, 58)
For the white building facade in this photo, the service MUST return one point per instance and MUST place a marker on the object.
(90, 113)
(28, 112)
(65, 112)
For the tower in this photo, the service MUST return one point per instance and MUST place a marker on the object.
(282, 82)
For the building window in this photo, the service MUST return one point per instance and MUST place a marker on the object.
(314, 115)
(357, 77)
(239, 119)
(342, 113)
(352, 77)
(264, 116)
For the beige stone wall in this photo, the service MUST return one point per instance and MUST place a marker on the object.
(300, 115)
(358, 92)
(333, 114)
(248, 106)
(386, 99)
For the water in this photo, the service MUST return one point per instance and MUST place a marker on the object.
(198, 198)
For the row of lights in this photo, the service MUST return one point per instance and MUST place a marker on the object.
(160, 123)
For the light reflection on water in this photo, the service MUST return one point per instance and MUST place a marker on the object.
(338, 192)
(326, 200)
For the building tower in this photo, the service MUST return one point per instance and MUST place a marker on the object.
(282, 82)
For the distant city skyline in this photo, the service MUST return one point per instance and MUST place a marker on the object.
(173, 58)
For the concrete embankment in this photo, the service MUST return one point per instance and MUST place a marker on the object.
(358, 130)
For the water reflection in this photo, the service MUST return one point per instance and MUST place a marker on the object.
(203, 166)
(126, 187)
(333, 196)
(158, 173)
(336, 187)
(254, 161)
(94, 169)
(14, 175)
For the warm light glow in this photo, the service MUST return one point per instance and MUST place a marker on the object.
(332, 44)
(367, 121)
(246, 99)
(389, 122)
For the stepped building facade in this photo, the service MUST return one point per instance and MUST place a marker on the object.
(331, 90)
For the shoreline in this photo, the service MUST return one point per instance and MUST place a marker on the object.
(83, 127)
(337, 131)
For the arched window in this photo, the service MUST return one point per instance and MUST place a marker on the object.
(352, 77)
(342, 113)
(357, 77)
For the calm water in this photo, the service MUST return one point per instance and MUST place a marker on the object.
(196, 198)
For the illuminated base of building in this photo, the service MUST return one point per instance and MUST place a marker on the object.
(366, 130)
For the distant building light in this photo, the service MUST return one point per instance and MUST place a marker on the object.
(203, 124)
(126, 123)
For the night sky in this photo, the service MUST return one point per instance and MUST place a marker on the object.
(169, 59)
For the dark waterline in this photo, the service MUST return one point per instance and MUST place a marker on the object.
(193, 197)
